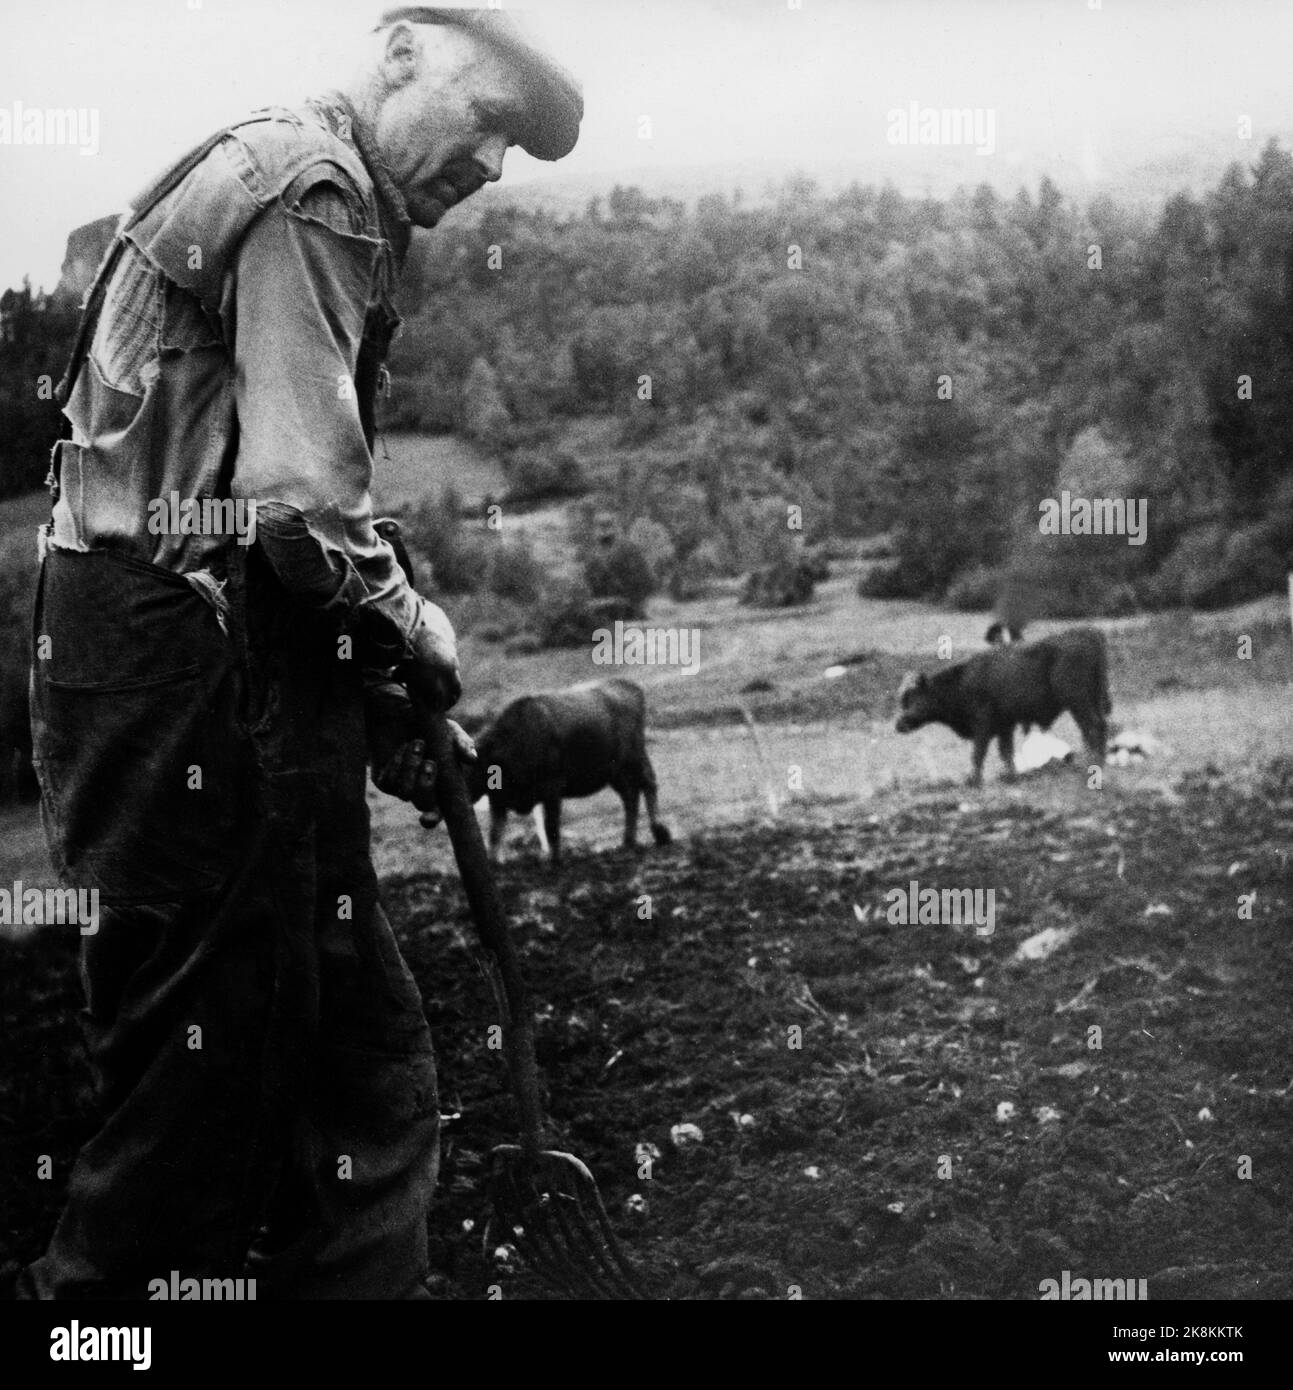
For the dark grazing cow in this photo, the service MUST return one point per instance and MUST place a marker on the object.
(543, 748)
(1023, 683)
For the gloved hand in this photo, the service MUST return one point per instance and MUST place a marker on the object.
(431, 672)
(399, 765)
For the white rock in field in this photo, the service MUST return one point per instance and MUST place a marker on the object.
(812, 1171)
(1005, 1112)
(1040, 748)
(1072, 1070)
(1132, 746)
(685, 1135)
(1043, 943)
(635, 1205)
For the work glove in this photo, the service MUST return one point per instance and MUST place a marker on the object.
(431, 670)
(397, 749)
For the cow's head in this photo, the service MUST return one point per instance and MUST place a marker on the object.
(912, 695)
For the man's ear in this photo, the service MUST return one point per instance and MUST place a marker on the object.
(402, 55)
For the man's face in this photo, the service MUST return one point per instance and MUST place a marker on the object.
(444, 125)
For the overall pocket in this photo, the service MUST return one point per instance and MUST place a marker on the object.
(137, 743)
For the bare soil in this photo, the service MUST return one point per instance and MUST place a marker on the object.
(946, 1127)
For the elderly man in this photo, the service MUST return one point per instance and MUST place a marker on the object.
(200, 693)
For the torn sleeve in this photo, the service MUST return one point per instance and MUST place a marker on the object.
(304, 281)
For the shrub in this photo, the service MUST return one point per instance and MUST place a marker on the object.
(424, 402)
(683, 511)
(538, 477)
(486, 616)
(1253, 565)
(897, 580)
(817, 563)
(515, 572)
(1211, 568)
(976, 588)
(485, 415)
(566, 618)
(458, 562)
(692, 574)
(756, 534)
(652, 539)
(783, 584)
(621, 571)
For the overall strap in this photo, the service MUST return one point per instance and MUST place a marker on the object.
(152, 195)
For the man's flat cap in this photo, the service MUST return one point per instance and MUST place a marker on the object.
(549, 127)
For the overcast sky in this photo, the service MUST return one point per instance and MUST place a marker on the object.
(738, 80)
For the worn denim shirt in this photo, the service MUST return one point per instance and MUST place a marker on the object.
(237, 356)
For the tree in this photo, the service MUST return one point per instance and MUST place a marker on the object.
(485, 416)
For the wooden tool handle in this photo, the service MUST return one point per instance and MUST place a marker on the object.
(491, 927)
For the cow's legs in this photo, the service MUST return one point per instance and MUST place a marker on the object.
(659, 830)
(630, 788)
(497, 824)
(1006, 747)
(1095, 733)
(539, 830)
(981, 741)
(1100, 715)
(552, 825)
(630, 793)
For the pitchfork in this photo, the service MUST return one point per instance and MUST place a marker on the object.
(546, 1202)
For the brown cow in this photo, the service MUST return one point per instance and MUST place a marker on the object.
(1022, 683)
(543, 748)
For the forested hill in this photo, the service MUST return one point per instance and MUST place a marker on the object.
(1095, 349)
